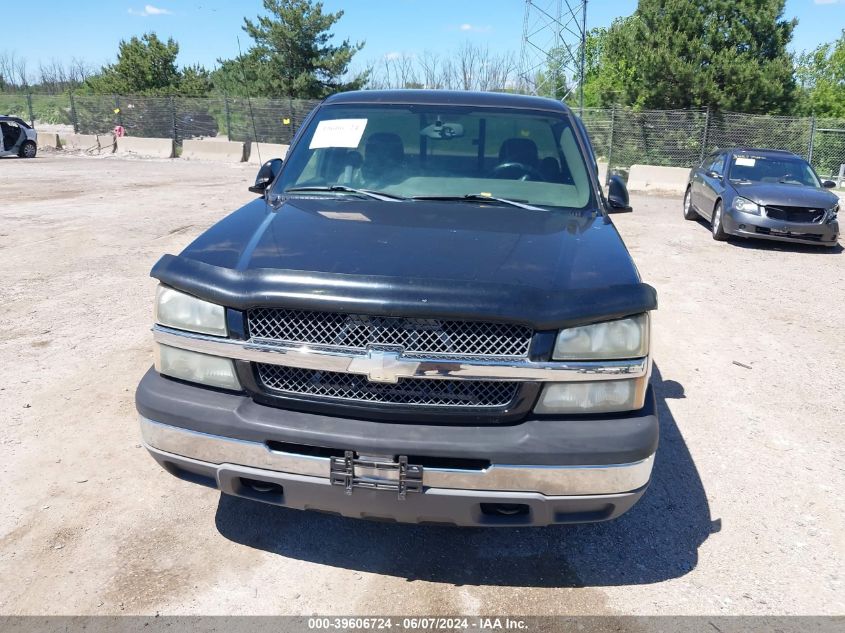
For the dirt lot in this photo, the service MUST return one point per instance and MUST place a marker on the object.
(744, 515)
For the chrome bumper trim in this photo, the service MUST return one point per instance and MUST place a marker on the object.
(380, 366)
(547, 480)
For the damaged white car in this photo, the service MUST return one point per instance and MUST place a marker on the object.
(18, 138)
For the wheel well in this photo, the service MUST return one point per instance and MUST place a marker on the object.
(717, 203)
(28, 143)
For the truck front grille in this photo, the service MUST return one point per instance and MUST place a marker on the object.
(795, 214)
(413, 336)
(416, 392)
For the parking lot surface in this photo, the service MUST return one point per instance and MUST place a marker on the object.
(744, 515)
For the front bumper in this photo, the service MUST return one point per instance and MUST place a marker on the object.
(748, 225)
(552, 471)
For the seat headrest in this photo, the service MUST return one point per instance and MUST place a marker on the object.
(519, 150)
(384, 147)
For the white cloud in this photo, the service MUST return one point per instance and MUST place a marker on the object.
(829, 1)
(150, 10)
(393, 55)
(466, 27)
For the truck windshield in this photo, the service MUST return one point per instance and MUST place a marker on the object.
(791, 171)
(440, 152)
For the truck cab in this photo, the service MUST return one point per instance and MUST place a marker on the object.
(426, 316)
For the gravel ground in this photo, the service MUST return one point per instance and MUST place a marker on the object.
(744, 515)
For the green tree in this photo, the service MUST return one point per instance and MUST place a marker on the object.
(727, 54)
(821, 74)
(552, 80)
(147, 66)
(194, 81)
(292, 55)
(603, 72)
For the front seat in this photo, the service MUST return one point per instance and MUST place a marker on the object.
(519, 150)
(384, 157)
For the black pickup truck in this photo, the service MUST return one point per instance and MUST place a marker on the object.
(427, 316)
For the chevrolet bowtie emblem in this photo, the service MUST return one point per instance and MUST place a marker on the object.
(383, 366)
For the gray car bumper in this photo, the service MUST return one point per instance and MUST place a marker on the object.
(545, 471)
(748, 225)
(432, 505)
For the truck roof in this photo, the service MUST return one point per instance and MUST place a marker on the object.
(760, 151)
(449, 97)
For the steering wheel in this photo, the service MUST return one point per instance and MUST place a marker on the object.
(516, 171)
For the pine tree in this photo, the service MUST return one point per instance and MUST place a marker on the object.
(147, 66)
(726, 54)
(293, 55)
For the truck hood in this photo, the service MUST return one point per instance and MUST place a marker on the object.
(777, 194)
(457, 260)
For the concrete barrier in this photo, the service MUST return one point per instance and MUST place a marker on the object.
(602, 173)
(80, 141)
(653, 178)
(88, 143)
(267, 151)
(149, 147)
(220, 151)
(48, 139)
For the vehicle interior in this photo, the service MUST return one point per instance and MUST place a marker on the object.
(525, 156)
(11, 133)
(773, 170)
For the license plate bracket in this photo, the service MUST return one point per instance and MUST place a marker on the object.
(374, 473)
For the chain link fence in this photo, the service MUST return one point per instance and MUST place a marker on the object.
(179, 118)
(621, 136)
(681, 138)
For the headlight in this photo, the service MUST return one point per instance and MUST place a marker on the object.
(746, 206)
(195, 367)
(624, 338)
(833, 211)
(606, 396)
(182, 311)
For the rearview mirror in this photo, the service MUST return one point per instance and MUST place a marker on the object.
(828, 184)
(713, 174)
(440, 130)
(266, 175)
(617, 195)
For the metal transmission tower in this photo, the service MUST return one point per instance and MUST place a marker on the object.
(554, 34)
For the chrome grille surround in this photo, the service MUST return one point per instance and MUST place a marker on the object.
(387, 377)
(413, 392)
(416, 337)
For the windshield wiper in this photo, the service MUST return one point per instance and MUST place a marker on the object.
(376, 195)
(480, 197)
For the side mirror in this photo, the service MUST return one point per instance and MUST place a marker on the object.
(828, 184)
(266, 175)
(617, 195)
(713, 174)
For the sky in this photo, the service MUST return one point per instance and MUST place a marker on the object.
(208, 29)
